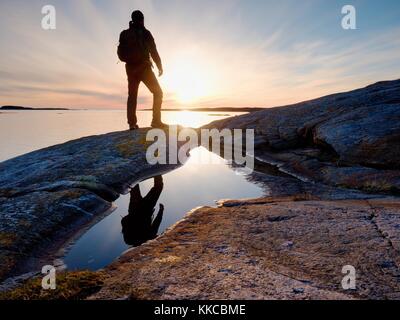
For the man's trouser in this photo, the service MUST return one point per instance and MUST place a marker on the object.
(146, 75)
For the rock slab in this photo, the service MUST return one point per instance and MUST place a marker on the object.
(50, 193)
(349, 139)
(272, 248)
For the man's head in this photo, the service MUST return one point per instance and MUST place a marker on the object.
(137, 17)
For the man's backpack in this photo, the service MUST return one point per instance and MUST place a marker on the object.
(132, 47)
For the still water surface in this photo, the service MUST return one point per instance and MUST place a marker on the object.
(192, 185)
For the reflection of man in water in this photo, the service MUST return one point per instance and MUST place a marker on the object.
(138, 226)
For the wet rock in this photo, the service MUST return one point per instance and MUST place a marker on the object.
(314, 169)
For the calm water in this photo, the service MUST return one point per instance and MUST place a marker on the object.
(192, 185)
(25, 131)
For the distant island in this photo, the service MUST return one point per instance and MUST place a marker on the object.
(224, 109)
(29, 108)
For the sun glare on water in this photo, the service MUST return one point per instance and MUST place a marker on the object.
(187, 118)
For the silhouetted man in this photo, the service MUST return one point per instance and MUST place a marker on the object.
(138, 226)
(136, 47)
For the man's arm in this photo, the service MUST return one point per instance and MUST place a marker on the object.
(154, 54)
(122, 36)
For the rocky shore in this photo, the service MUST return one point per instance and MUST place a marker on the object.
(332, 168)
(47, 195)
(349, 139)
(271, 248)
(331, 205)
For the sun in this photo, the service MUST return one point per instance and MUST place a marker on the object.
(190, 79)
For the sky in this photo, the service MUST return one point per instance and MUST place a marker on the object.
(216, 53)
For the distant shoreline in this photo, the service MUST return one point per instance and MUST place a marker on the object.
(29, 108)
(224, 109)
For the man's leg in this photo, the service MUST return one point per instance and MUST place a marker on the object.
(136, 198)
(151, 82)
(133, 87)
(154, 194)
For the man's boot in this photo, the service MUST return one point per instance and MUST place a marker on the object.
(157, 123)
(133, 127)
